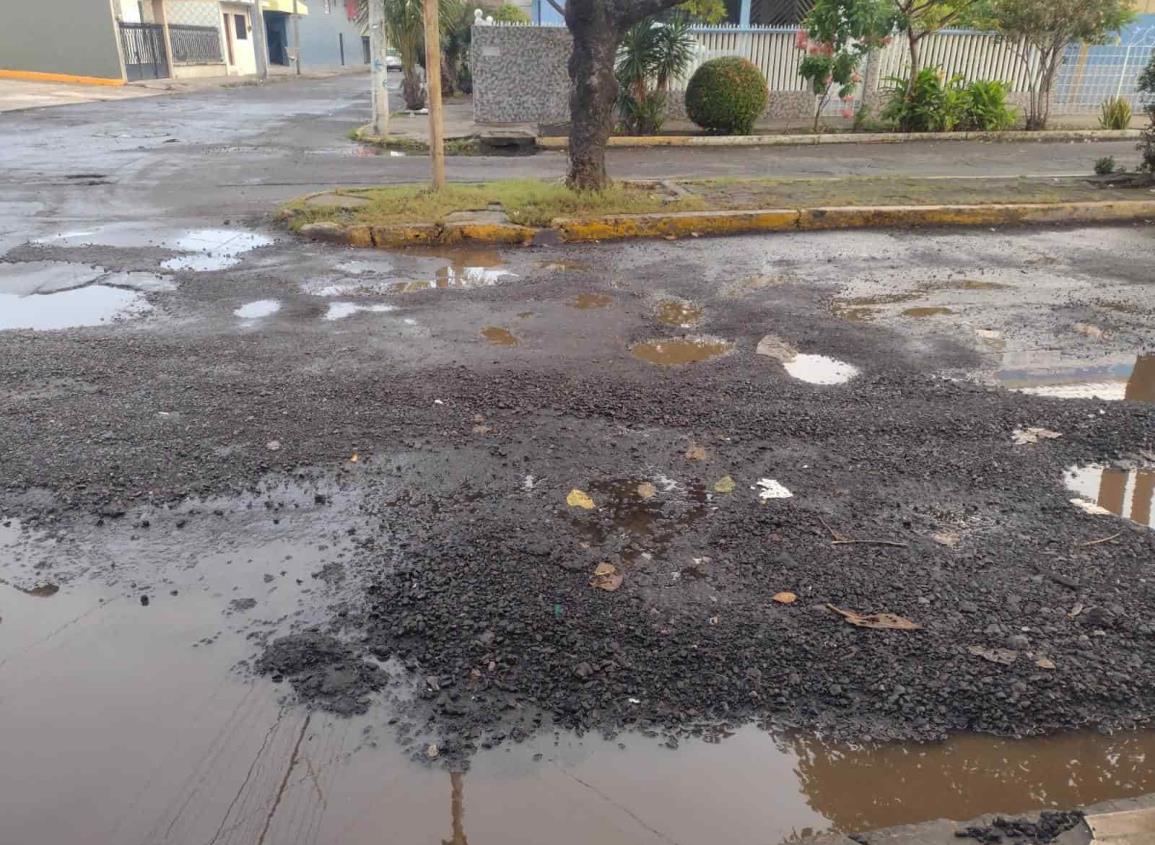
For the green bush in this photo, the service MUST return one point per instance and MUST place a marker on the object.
(726, 95)
(1105, 166)
(983, 107)
(508, 13)
(1115, 113)
(935, 104)
(931, 105)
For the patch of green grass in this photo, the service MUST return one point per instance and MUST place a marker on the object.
(530, 202)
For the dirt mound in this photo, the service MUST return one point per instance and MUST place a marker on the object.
(323, 671)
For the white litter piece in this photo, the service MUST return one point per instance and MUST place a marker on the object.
(1090, 507)
(769, 489)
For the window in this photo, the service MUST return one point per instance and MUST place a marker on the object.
(242, 28)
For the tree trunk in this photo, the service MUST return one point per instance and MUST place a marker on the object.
(915, 59)
(413, 90)
(593, 92)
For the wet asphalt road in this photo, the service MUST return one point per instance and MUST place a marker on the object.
(427, 415)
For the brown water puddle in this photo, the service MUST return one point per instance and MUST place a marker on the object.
(971, 284)
(1121, 380)
(588, 301)
(926, 311)
(135, 713)
(1128, 493)
(677, 312)
(636, 516)
(499, 336)
(679, 351)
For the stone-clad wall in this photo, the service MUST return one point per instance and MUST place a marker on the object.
(520, 76)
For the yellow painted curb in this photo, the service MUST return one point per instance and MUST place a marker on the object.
(645, 141)
(677, 224)
(418, 234)
(489, 233)
(916, 216)
(72, 79)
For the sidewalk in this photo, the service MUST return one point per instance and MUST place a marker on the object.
(19, 95)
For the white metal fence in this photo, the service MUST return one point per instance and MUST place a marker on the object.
(1089, 74)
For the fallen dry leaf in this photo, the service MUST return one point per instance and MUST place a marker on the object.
(579, 499)
(995, 655)
(696, 453)
(481, 429)
(1045, 663)
(354, 458)
(950, 539)
(1091, 331)
(725, 484)
(646, 490)
(881, 621)
(1076, 610)
(606, 577)
(1032, 434)
(784, 598)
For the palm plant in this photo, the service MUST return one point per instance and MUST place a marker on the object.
(653, 53)
(405, 32)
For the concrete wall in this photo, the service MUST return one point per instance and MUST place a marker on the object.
(321, 33)
(519, 74)
(74, 37)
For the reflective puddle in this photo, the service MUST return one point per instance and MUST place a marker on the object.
(92, 305)
(1130, 380)
(587, 301)
(341, 310)
(135, 711)
(1123, 492)
(212, 249)
(819, 369)
(498, 336)
(677, 312)
(679, 351)
(455, 277)
(257, 310)
(27, 278)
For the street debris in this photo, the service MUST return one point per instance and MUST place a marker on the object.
(273, 445)
(579, 499)
(432, 752)
(1031, 435)
(725, 484)
(880, 621)
(840, 539)
(1090, 507)
(950, 539)
(1045, 663)
(1003, 656)
(784, 597)
(1091, 331)
(696, 453)
(646, 490)
(606, 577)
(769, 489)
(1100, 540)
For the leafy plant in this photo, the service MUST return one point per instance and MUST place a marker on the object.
(405, 32)
(652, 54)
(508, 13)
(1039, 31)
(983, 107)
(919, 18)
(704, 11)
(926, 103)
(836, 35)
(727, 95)
(1105, 166)
(1115, 113)
(1147, 144)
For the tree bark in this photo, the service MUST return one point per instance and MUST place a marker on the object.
(593, 92)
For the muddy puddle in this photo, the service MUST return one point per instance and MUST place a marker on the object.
(1128, 493)
(1131, 379)
(927, 311)
(498, 336)
(212, 249)
(678, 313)
(134, 722)
(92, 305)
(679, 351)
(590, 301)
(635, 517)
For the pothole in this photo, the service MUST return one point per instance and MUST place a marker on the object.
(680, 351)
(1127, 493)
(341, 310)
(1111, 381)
(92, 305)
(212, 249)
(27, 278)
(499, 336)
(678, 313)
(810, 368)
(257, 310)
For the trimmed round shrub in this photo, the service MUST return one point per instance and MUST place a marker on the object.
(726, 95)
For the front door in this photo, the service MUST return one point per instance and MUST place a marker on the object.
(145, 56)
(242, 57)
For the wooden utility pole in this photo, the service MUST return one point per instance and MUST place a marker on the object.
(433, 91)
(297, 36)
(380, 72)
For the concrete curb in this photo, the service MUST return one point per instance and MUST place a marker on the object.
(716, 223)
(1058, 135)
